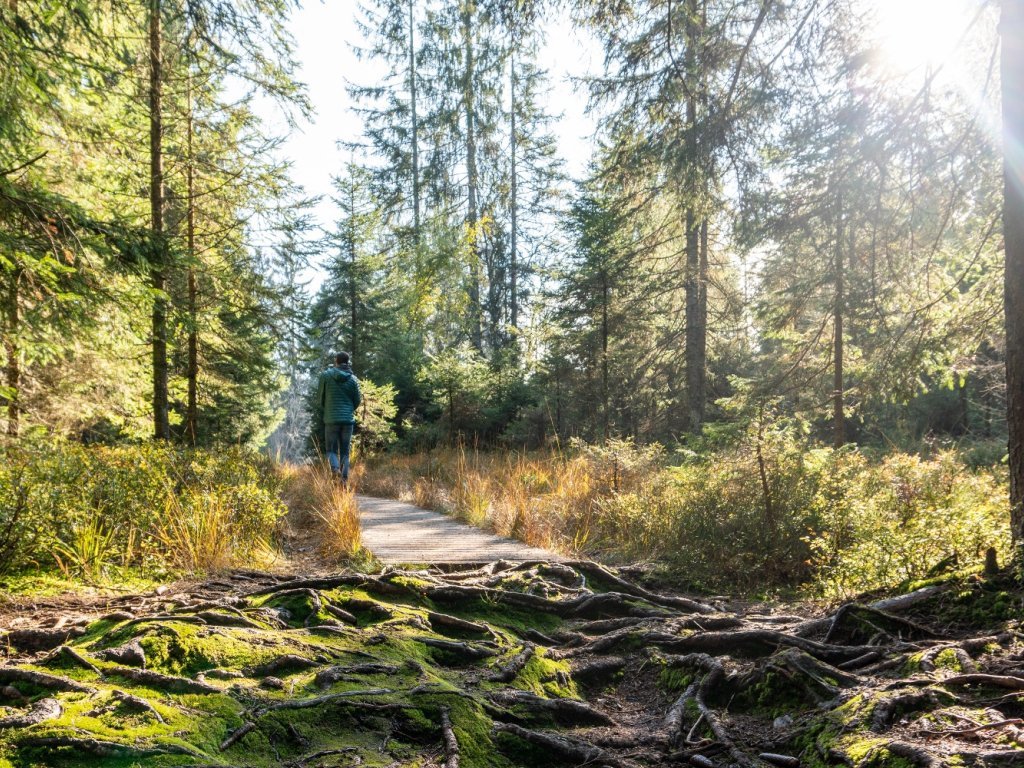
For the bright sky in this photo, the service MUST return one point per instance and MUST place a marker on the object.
(324, 33)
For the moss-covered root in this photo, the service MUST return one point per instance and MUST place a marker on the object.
(509, 665)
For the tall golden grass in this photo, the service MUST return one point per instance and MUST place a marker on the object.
(317, 500)
(547, 499)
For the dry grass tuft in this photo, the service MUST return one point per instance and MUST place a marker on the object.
(317, 501)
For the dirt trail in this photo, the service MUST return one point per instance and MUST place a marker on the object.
(396, 532)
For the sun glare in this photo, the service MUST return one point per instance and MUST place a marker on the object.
(917, 34)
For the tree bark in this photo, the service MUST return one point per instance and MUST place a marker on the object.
(192, 409)
(1012, 72)
(605, 331)
(13, 351)
(161, 423)
(469, 105)
(352, 288)
(514, 206)
(838, 415)
(695, 287)
(415, 129)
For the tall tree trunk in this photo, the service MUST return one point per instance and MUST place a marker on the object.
(838, 415)
(192, 409)
(964, 415)
(161, 423)
(469, 104)
(415, 129)
(514, 206)
(1012, 66)
(605, 330)
(696, 307)
(352, 287)
(13, 352)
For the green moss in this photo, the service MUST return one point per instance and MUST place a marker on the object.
(947, 659)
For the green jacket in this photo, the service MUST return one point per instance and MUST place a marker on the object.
(339, 395)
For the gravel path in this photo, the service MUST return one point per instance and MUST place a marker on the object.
(397, 532)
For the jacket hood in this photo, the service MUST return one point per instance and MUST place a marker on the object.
(341, 373)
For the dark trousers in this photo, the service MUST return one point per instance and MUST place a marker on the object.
(338, 442)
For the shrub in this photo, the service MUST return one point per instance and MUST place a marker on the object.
(896, 520)
(84, 508)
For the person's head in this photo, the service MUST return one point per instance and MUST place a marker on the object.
(341, 358)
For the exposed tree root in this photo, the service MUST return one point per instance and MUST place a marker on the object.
(103, 748)
(451, 744)
(588, 669)
(161, 681)
(572, 750)
(507, 673)
(42, 680)
(41, 711)
(564, 711)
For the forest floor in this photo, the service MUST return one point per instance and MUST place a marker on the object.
(531, 663)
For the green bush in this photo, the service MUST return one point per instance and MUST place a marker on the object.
(83, 508)
(896, 520)
(768, 511)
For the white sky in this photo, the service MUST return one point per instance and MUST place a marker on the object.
(324, 32)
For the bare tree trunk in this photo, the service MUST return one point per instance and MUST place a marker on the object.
(514, 205)
(161, 423)
(469, 104)
(192, 409)
(1012, 66)
(13, 351)
(352, 287)
(964, 416)
(605, 330)
(838, 415)
(695, 282)
(415, 129)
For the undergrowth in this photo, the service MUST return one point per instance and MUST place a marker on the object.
(748, 515)
(87, 511)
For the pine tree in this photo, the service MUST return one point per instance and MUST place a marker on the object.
(692, 79)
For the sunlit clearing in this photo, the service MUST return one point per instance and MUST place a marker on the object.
(915, 34)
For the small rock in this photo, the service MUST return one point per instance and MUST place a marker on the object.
(162, 589)
(784, 721)
(273, 683)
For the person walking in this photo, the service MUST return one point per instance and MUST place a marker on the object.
(338, 395)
